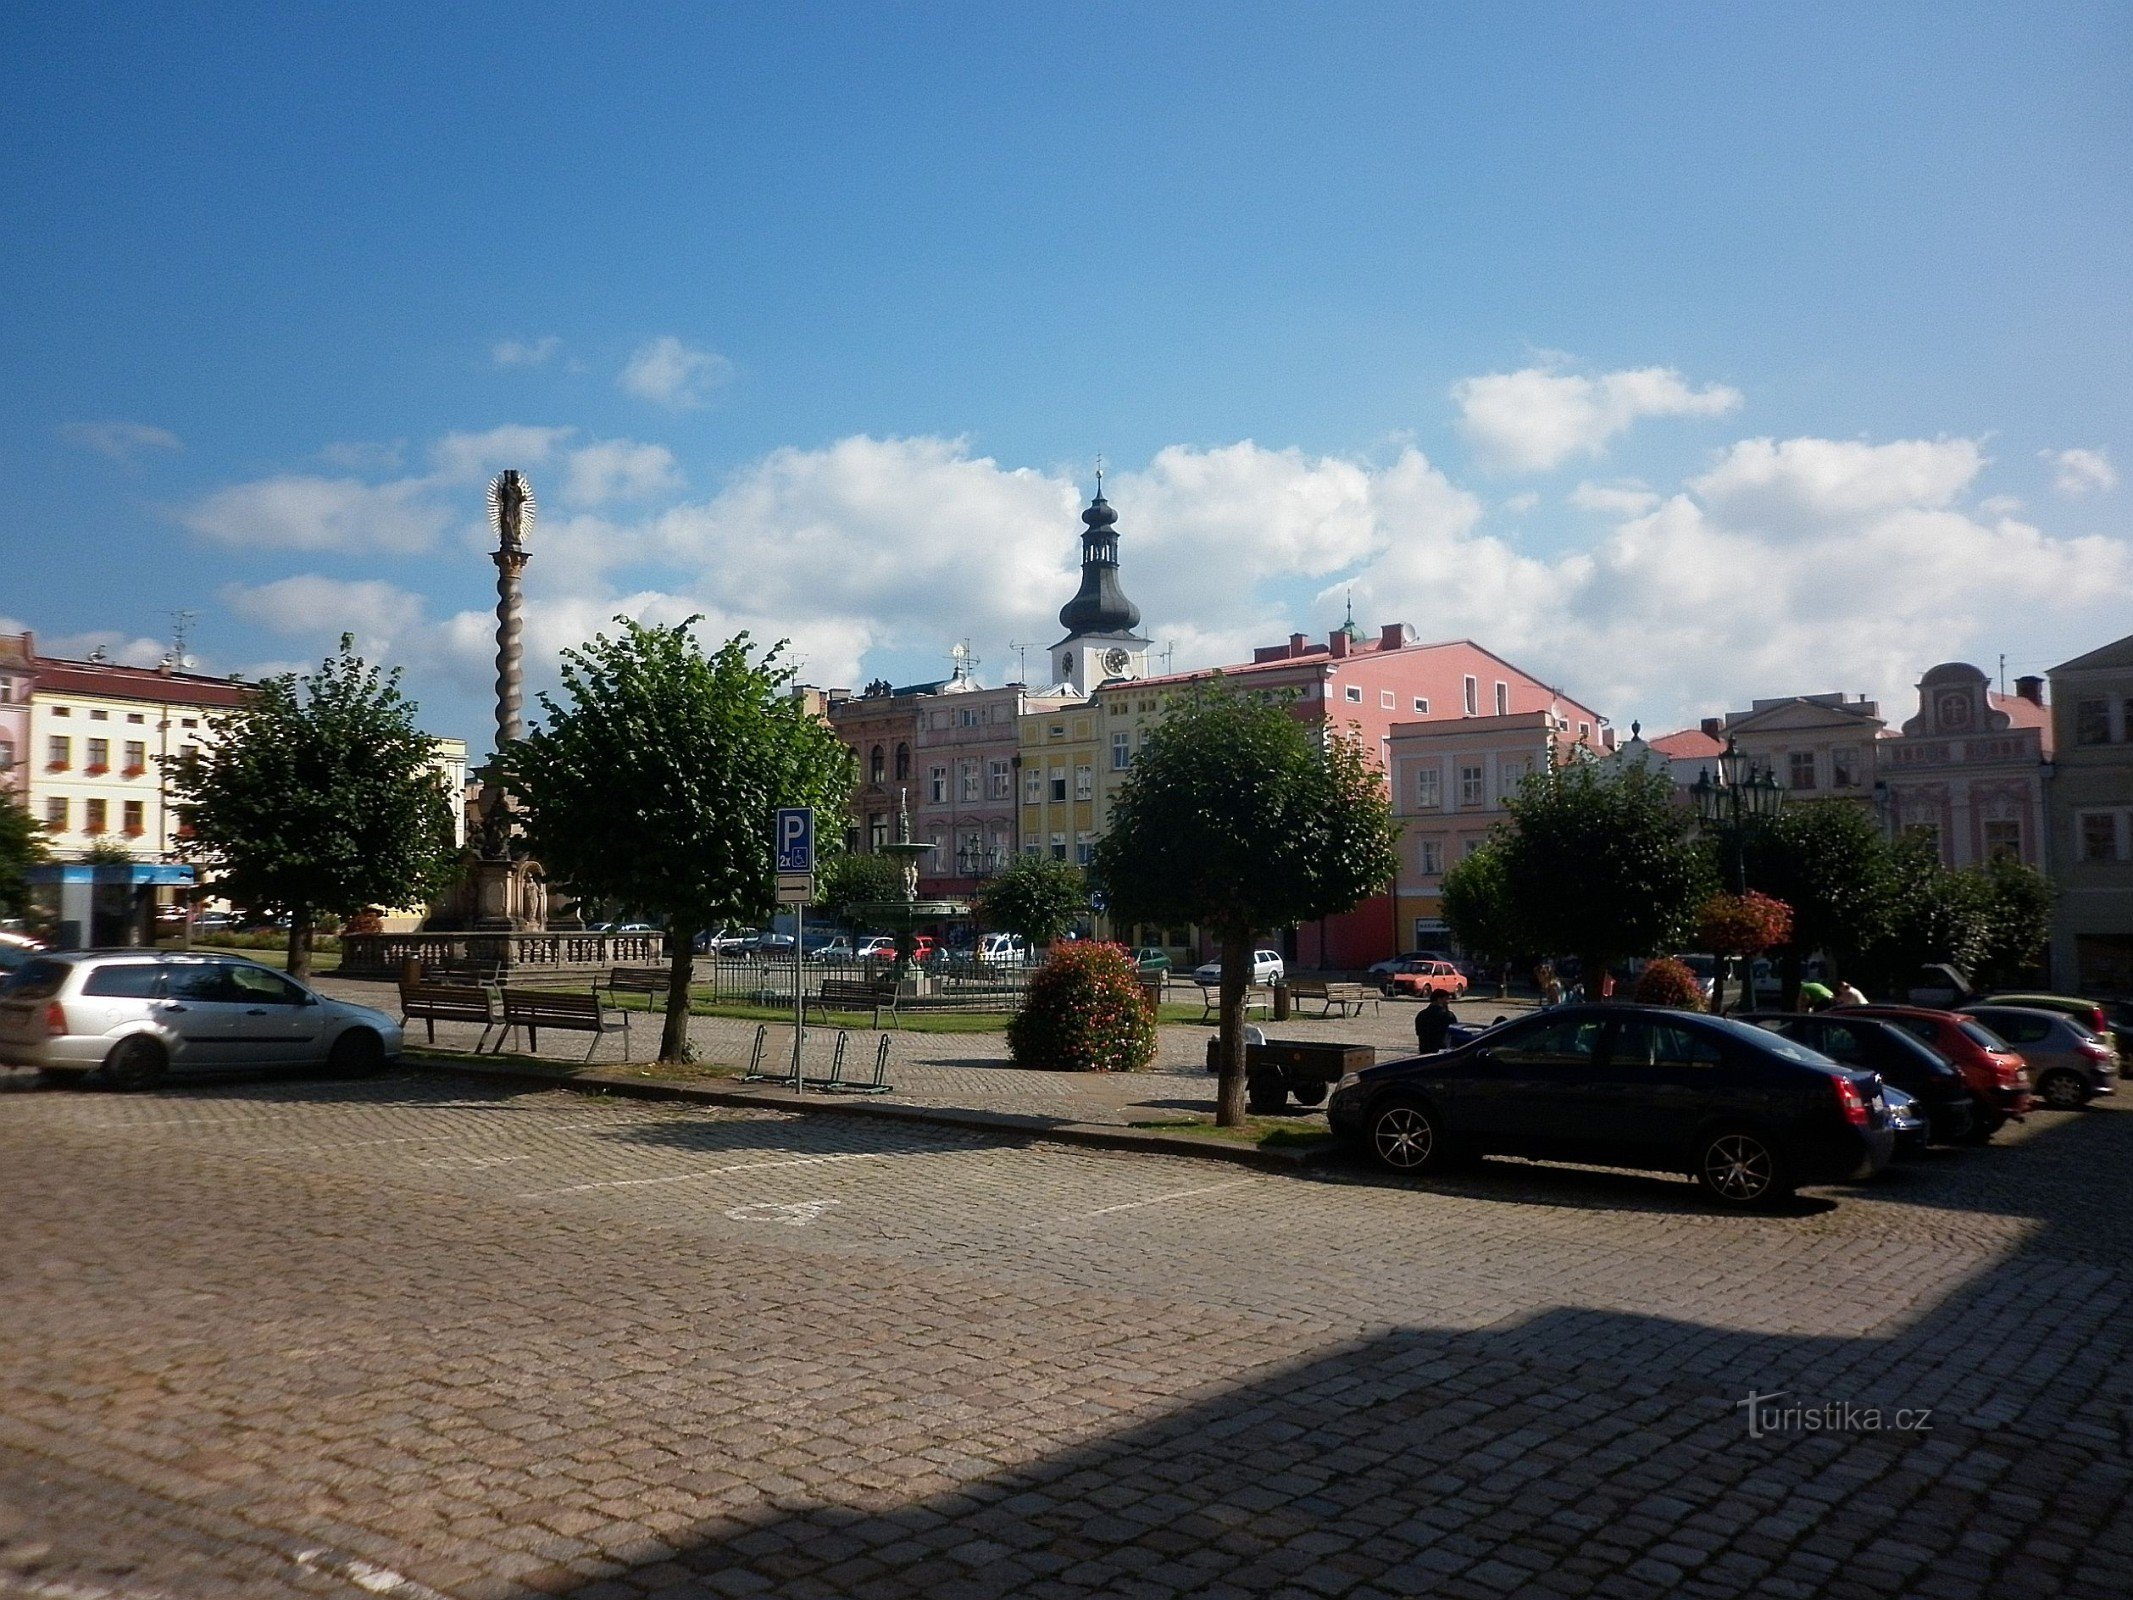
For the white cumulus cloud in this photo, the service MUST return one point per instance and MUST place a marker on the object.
(295, 511)
(120, 441)
(619, 469)
(1537, 418)
(2080, 472)
(670, 373)
(525, 352)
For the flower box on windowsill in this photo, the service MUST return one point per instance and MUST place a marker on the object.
(132, 772)
(94, 772)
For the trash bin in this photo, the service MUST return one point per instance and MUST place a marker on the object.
(1281, 1002)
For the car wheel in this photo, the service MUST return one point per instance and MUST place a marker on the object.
(134, 1063)
(1740, 1168)
(357, 1053)
(1406, 1136)
(2063, 1091)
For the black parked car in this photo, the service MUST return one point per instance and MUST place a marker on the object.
(1898, 1057)
(1749, 1114)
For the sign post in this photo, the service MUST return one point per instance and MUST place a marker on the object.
(793, 841)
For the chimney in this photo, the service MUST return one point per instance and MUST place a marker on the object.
(2030, 689)
(1712, 726)
(1337, 642)
(1395, 636)
(1297, 644)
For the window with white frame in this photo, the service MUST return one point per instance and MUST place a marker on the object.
(1002, 784)
(1355, 694)
(968, 773)
(1844, 768)
(2003, 837)
(1084, 848)
(1800, 769)
(1503, 698)
(1032, 786)
(937, 785)
(1059, 847)
(1429, 789)
(2101, 833)
(55, 814)
(1429, 857)
(1471, 779)
(58, 752)
(1084, 782)
(1421, 706)
(1059, 783)
(1472, 690)
(1121, 751)
(1510, 775)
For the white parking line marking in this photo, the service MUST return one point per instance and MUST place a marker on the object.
(708, 1172)
(1156, 1200)
(446, 1138)
(364, 1575)
(797, 1214)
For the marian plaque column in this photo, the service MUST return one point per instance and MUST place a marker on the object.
(509, 894)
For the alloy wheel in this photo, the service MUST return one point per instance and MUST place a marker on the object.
(2062, 1091)
(1738, 1167)
(1404, 1138)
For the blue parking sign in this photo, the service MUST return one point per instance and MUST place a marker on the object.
(795, 838)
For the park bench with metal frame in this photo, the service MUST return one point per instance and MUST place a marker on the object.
(1256, 994)
(535, 1009)
(1329, 993)
(432, 1003)
(856, 994)
(654, 983)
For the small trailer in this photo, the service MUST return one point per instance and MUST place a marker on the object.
(1275, 1069)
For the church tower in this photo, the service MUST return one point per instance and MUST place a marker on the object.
(1103, 641)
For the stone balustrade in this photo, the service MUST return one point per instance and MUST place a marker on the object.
(382, 955)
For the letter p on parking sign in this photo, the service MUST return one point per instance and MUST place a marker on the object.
(794, 835)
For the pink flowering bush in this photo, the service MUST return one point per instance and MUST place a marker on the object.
(1667, 982)
(1084, 1012)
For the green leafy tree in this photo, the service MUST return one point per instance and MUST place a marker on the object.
(1934, 915)
(1479, 911)
(1600, 865)
(319, 797)
(2018, 902)
(652, 783)
(1829, 861)
(852, 879)
(1036, 897)
(1240, 818)
(22, 846)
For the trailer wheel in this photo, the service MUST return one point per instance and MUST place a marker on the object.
(1309, 1094)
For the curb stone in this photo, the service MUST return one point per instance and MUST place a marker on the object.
(1093, 1135)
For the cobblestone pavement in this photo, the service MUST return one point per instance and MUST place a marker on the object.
(970, 1070)
(421, 1336)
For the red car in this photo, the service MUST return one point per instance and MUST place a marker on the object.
(1998, 1078)
(1425, 978)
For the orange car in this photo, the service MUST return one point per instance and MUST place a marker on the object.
(1425, 978)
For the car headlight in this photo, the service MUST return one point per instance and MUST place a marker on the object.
(1349, 1081)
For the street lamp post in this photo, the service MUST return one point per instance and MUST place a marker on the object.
(1739, 795)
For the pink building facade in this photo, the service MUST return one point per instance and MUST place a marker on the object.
(1969, 768)
(965, 756)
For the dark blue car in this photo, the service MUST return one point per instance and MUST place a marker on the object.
(1748, 1114)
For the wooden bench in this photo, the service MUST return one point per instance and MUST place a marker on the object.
(652, 982)
(535, 1009)
(856, 994)
(1329, 993)
(461, 971)
(1255, 994)
(432, 1003)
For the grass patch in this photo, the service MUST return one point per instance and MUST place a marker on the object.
(548, 1066)
(1265, 1133)
(323, 962)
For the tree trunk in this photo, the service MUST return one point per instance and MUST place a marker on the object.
(1789, 965)
(300, 942)
(1236, 979)
(681, 967)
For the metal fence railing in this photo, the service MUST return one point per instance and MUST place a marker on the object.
(758, 980)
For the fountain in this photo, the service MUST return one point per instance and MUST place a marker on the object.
(902, 916)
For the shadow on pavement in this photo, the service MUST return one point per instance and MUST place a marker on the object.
(1599, 1450)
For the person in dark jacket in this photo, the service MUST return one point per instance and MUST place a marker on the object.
(1432, 1023)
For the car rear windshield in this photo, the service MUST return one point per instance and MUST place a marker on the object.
(1979, 1035)
(38, 980)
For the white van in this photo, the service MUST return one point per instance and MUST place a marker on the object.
(1002, 950)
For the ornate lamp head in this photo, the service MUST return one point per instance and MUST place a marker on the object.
(511, 508)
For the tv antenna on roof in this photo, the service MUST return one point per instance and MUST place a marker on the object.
(1169, 650)
(1021, 660)
(181, 624)
(965, 661)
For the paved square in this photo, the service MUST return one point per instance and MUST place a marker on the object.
(421, 1335)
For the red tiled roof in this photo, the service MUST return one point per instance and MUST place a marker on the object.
(1687, 745)
(137, 683)
(2023, 713)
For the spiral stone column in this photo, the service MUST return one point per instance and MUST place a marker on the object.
(510, 677)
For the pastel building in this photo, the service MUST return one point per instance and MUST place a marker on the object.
(965, 752)
(18, 656)
(1968, 769)
(1451, 778)
(2090, 812)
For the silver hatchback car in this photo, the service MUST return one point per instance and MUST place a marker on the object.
(131, 1015)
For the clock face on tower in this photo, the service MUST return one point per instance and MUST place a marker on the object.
(1116, 661)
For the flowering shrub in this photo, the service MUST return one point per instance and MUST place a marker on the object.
(1667, 982)
(1084, 1012)
(1742, 924)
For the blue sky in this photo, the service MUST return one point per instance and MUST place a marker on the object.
(1682, 353)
